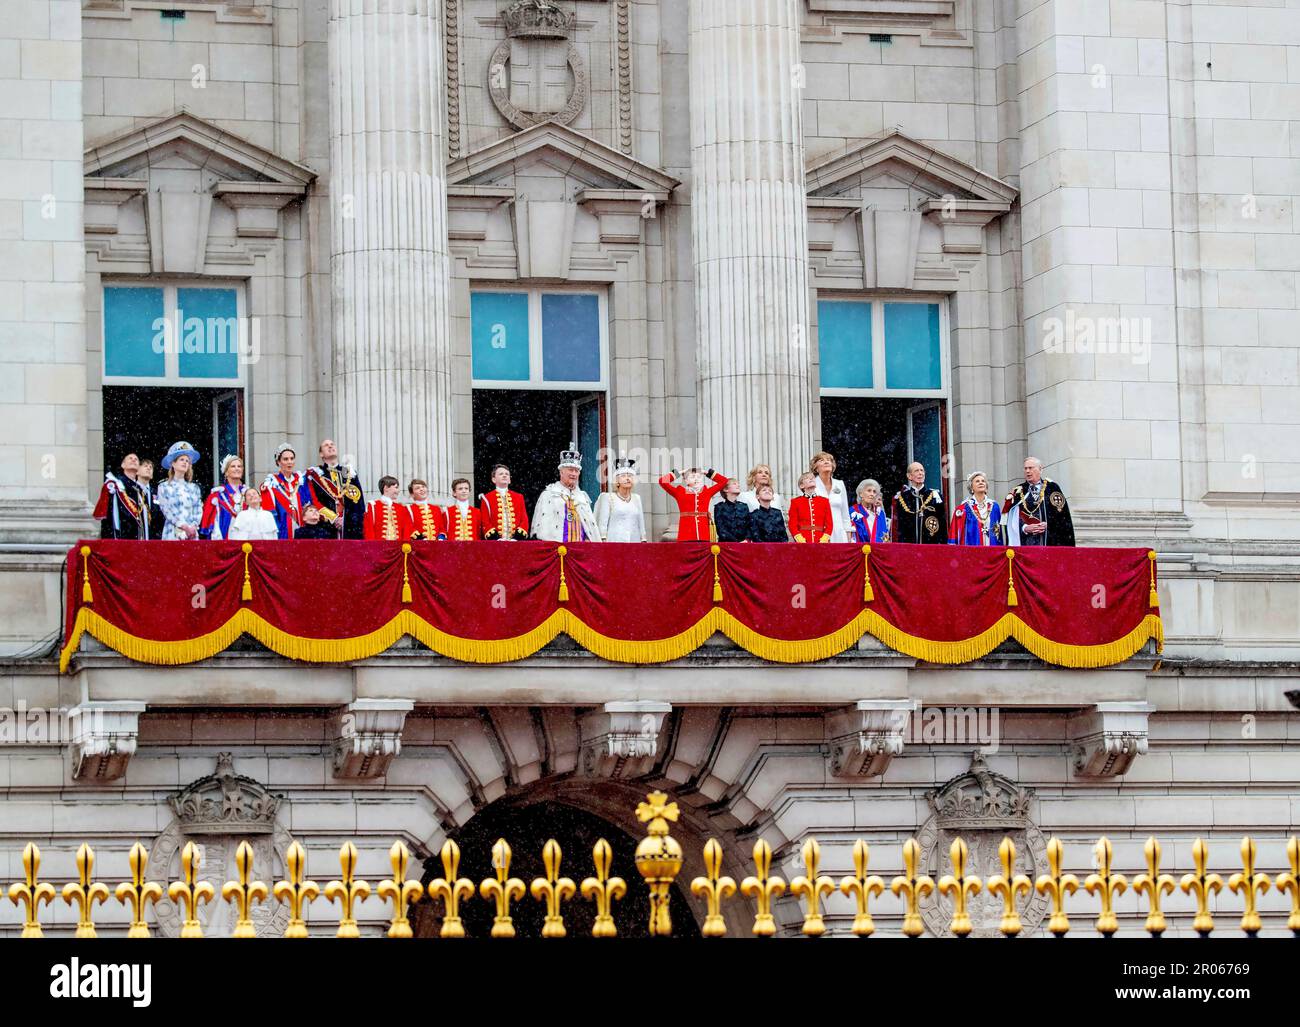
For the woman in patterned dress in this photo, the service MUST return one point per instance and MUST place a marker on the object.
(179, 497)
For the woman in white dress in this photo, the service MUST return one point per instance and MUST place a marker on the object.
(761, 475)
(618, 513)
(823, 466)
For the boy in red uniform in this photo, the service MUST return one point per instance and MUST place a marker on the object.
(386, 520)
(693, 501)
(426, 520)
(464, 520)
(810, 514)
(505, 518)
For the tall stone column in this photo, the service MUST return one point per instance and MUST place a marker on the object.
(750, 237)
(389, 256)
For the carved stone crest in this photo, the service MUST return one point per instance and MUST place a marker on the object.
(528, 72)
(218, 812)
(982, 807)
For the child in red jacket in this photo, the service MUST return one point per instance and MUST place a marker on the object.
(810, 514)
(693, 501)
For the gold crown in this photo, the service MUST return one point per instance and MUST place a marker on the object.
(537, 19)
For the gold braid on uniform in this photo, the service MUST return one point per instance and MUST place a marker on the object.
(926, 503)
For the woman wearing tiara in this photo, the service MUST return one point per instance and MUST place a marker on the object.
(978, 521)
(618, 513)
(226, 501)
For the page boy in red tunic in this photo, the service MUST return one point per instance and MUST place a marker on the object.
(386, 520)
(427, 520)
(810, 514)
(693, 501)
(505, 518)
(464, 519)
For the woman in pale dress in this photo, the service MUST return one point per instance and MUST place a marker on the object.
(618, 514)
(761, 475)
(823, 466)
(253, 522)
(179, 497)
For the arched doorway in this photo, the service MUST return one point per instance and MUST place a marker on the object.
(527, 825)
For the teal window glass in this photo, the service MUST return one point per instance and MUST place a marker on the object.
(570, 337)
(912, 346)
(208, 343)
(844, 344)
(499, 336)
(133, 322)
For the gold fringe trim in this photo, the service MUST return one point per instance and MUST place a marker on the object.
(664, 650)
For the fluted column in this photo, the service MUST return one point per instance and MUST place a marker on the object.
(749, 230)
(389, 258)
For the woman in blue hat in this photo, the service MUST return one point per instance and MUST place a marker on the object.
(179, 497)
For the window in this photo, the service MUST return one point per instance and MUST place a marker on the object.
(890, 347)
(160, 334)
(533, 339)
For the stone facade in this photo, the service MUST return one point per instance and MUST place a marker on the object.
(1100, 198)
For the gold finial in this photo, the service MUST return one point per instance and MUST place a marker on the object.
(913, 887)
(399, 890)
(1290, 882)
(715, 887)
(295, 891)
(1108, 885)
(603, 890)
(961, 885)
(1248, 882)
(812, 888)
(1008, 885)
(1057, 886)
(190, 892)
(451, 889)
(553, 890)
(1203, 885)
(138, 893)
(347, 892)
(85, 893)
(502, 890)
(1154, 884)
(658, 858)
(32, 892)
(862, 887)
(244, 892)
(764, 887)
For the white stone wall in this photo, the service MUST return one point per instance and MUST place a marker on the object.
(43, 449)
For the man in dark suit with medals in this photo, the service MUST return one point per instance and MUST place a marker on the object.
(334, 491)
(1036, 511)
(123, 509)
(917, 513)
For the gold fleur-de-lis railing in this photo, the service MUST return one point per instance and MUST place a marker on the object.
(763, 887)
(502, 890)
(244, 892)
(658, 860)
(602, 889)
(452, 890)
(553, 890)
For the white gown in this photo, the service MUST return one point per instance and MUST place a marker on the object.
(841, 526)
(620, 520)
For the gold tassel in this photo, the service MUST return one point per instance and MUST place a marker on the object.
(867, 593)
(406, 580)
(1011, 579)
(1153, 599)
(717, 581)
(247, 592)
(564, 585)
(86, 596)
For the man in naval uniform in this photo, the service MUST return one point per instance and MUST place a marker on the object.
(334, 490)
(1036, 511)
(917, 513)
(563, 512)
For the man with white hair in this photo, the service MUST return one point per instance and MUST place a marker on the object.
(1036, 511)
(917, 513)
(563, 512)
